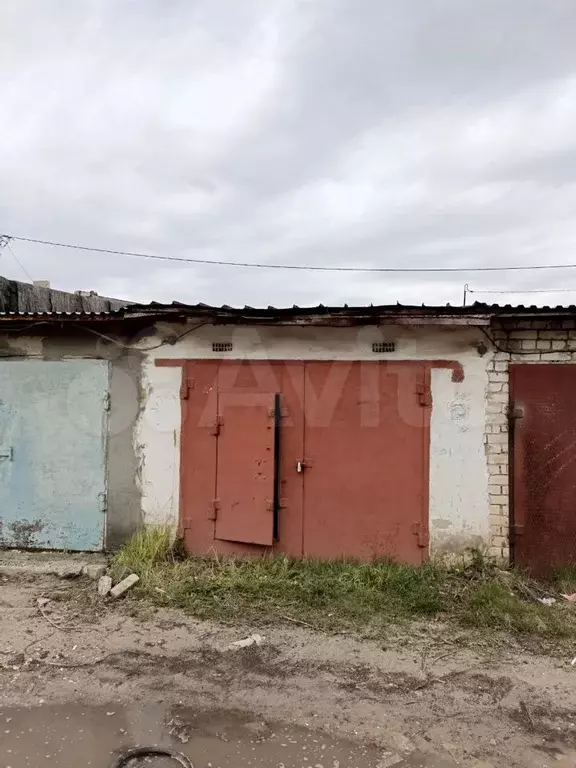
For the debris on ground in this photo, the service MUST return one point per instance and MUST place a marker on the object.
(179, 729)
(547, 600)
(571, 598)
(42, 601)
(94, 571)
(124, 585)
(254, 639)
(527, 715)
(104, 585)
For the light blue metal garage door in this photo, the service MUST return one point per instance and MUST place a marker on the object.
(53, 425)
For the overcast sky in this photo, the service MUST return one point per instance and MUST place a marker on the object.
(328, 132)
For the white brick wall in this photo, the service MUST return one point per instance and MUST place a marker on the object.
(521, 341)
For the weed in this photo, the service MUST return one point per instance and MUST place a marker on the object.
(341, 594)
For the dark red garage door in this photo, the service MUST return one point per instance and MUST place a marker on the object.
(543, 409)
(306, 458)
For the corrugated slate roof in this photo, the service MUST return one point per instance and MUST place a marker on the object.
(474, 313)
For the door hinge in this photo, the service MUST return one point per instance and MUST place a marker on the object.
(185, 388)
(515, 413)
(103, 501)
(424, 395)
(216, 425)
(214, 509)
(106, 401)
(419, 530)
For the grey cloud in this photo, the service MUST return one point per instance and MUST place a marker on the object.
(306, 131)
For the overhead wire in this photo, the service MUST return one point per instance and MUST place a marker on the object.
(528, 290)
(299, 267)
(123, 345)
(17, 260)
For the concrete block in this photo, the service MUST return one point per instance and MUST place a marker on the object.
(124, 585)
(94, 570)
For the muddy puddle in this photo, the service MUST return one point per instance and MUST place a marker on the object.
(79, 736)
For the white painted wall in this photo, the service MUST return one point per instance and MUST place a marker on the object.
(459, 506)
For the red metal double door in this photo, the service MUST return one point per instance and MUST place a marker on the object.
(306, 458)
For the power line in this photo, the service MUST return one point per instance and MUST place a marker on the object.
(301, 267)
(17, 260)
(528, 290)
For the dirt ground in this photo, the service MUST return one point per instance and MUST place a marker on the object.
(97, 676)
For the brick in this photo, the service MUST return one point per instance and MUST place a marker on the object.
(538, 324)
(496, 418)
(553, 335)
(558, 357)
(502, 499)
(496, 470)
(495, 490)
(495, 386)
(501, 439)
(501, 366)
(529, 344)
(569, 324)
(498, 376)
(528, 358)
(498, 397)
(558, 345)
(543, 344)
(524, 334)
(491, 448)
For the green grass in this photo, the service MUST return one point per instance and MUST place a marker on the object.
(341, 594)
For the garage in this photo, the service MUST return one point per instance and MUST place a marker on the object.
(53, 425)
(309, 458)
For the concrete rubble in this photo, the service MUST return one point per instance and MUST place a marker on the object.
(104, 585)
(124, 585)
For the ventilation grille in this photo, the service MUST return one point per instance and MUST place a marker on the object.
(222, 346)
(379, 347)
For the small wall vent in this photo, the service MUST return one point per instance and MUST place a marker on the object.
(380, 347)
(222, 346)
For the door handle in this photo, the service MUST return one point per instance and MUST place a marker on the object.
(301, 466)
